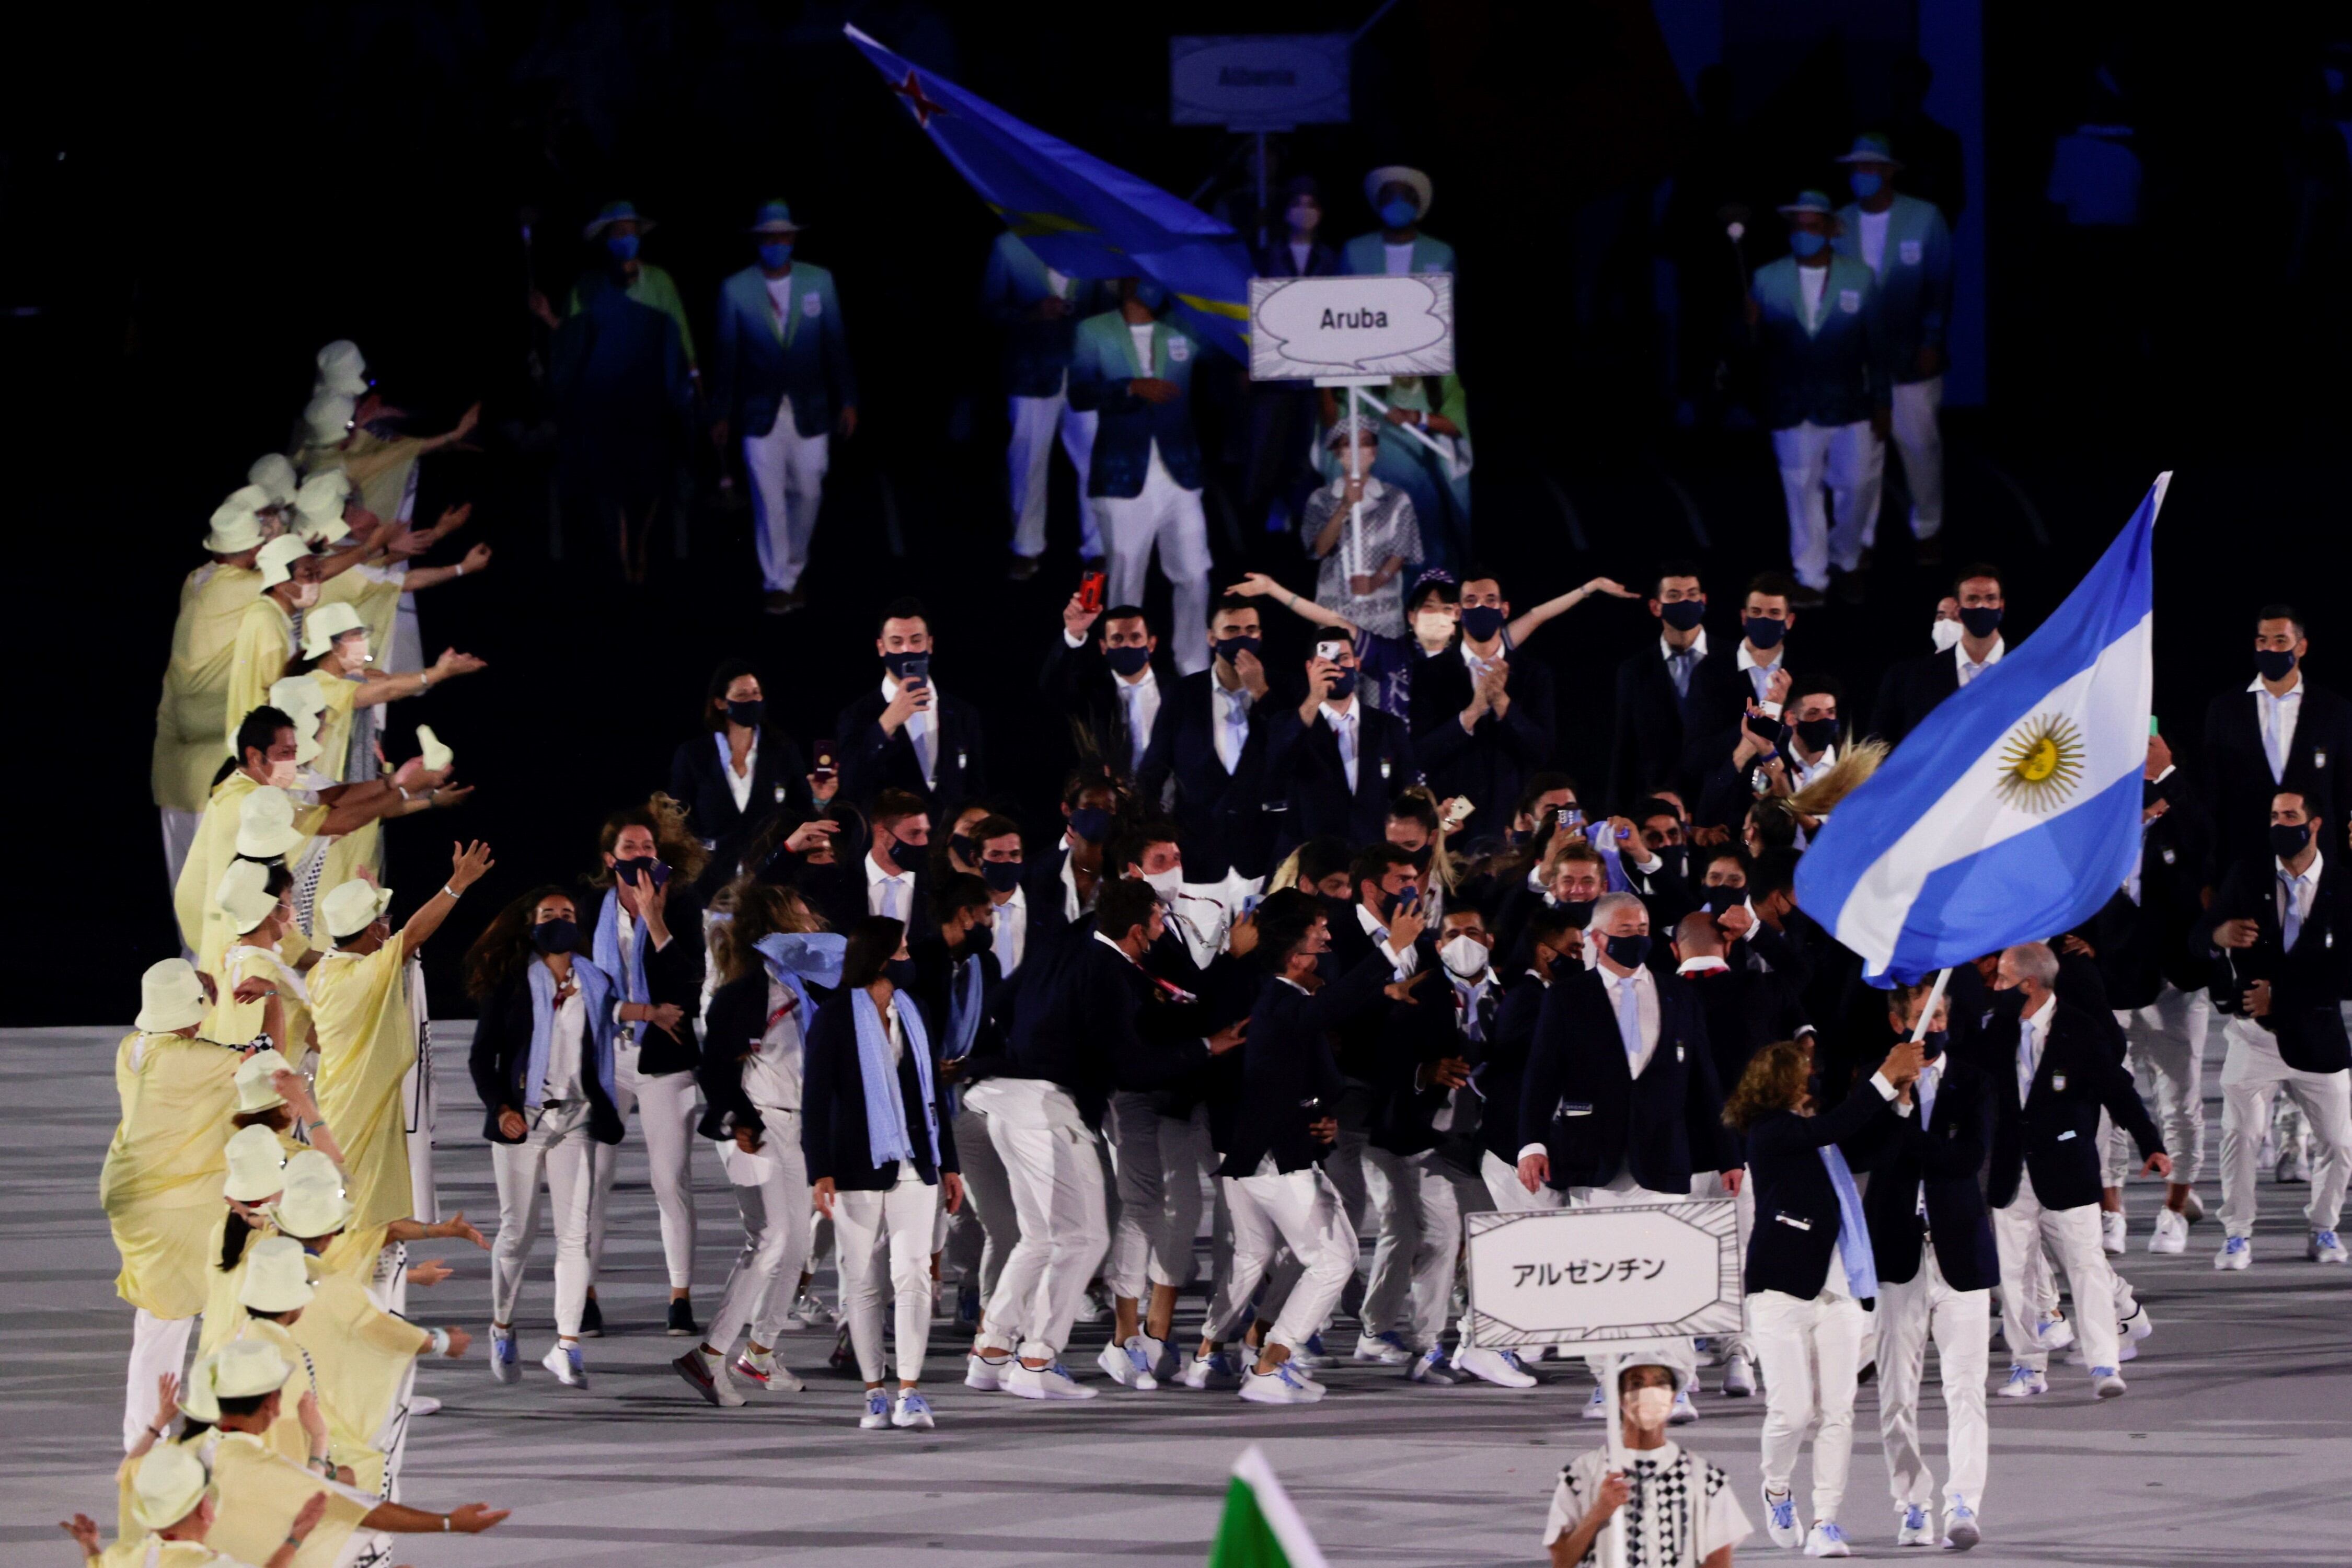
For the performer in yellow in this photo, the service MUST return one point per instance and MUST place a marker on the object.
(268, 633)
(173, 1508)
(365, 1021)
(164, 1170)
(192, 715)
(275, 1293)
(341, 648)
(254, 900)
(257, 1175)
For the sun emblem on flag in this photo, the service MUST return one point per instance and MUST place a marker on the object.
(2041, 763)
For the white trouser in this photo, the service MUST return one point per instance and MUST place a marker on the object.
(665, 1106)
(1157, 1160)
(1166, 515)
(2168, 1063)
(1301, 1211)
(771, 1189)
(1056, 1176)
(2072, 1235)
(1502, 1186)
(1029, 462)
(787, 474)
(868, 1225)
(983, 1231)
(1838, 456)
(158, 1346)
(1914, 433)
(2253, 1073)
(1811, 1354)
(2041, 1288)
(179, 837)
(557, 1149)
(1907, 1315)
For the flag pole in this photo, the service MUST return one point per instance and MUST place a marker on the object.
(1936, 995)
(1351, 558)
(1613, 1534)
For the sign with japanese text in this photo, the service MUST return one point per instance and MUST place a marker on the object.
(1601, 1276)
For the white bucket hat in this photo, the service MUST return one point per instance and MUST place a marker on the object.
(276, 1278)
(170, 997)
(167, 1486)
(342, 369)
(327, 418)
(354, 907)
(237, 521)
(244, 895)
(300, 697)
(273, 474)
(278, 557)
(256, 1165)
(1413, 180)
(312, 1206)
(255, 1090)
(239, 1370)
(264, 825)
(322, 625)
(436, 755)
(319, 504)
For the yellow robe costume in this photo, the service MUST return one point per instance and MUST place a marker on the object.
(335, 725)
(239, 1022)
(131, 1552)
(192, 717)
(162, 1179)
(372, 588)
(262, 1491)
(362, 1355)
(257, 660)
(224, 1315)
(204, 926)
(285, 1436)
(367, 1043)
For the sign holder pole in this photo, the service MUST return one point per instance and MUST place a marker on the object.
(1412, 430)
(1613, 1534)
(1351, 557)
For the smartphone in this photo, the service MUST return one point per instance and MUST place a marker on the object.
(1571, 816)
(1090, 592)
(1459, 811)
(918, 667)
(1250, 902)
(824, 768)
(1330, 648)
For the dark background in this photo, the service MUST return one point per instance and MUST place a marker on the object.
(194, 204)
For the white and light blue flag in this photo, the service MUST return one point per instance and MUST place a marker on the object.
(2012, 813)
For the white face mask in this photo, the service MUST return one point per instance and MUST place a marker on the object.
(305, 595)
(355, 651)
(281, 774)
(1947, 634)
(1165, 883)
(1432, 626)
(1464, 955)
(1648, 1408)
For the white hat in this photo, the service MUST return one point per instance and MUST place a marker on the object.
(322, 625)
(244, 895)
(312, 1205)
(319, 506)
(1679, 1359)
(255, 1088)
(436, 756)
(237, 521)
(300, 697)
(278, 557)
(256, 1165)
(354, 907)
(328, 418)
(170, 997)
(264, 823)
(342, 369)
(273, 475)
(276, 1276)
(168, 1486)
(1413, 180)
(239, 1370)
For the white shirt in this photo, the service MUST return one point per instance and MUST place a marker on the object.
(888, 891)
(1759, 673)
(1397, 260)
(562, 1080)
(1058, 284)
(891, 1037)
(2033, 1037)
(740, 788)
(1645, 995)
(1706, 964)
(922, 729)
(1300, 249)
(772, 1075)
(1141, 333)
(1803, 773)
(1141, 700)
(1813, 288)
(1874, 239)
(1969, 672)
(1404, 963)
(1012, 938)
(1343, 727)
(1229, 712)
(780, 295)
(2304, 888)
(2278, 715)
(1698, 649)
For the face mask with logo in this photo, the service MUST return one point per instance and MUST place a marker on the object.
(908, 856)
(1763, 630)
(2275, 664)
(621, 247)
(1230, 650)
(1648, 1408)
(1398, 212)
(1631, 952)
(747, 714)
(554, 936)
(2287, 842)
(1981, 620)
(1481, 623)
(281, 774)
(1091, 823)
(775, 255)
(1944, 634)
(1683, 614)
(1129, 660)
(1001, 875)
(1865, 183)
(1807, 243)
(1464, 955)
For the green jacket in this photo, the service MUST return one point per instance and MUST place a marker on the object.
(652, 286)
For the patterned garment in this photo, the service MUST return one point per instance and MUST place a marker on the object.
(1681, 1510)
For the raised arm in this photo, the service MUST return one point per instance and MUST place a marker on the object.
(1524, 625)
(465, 868)
(1257, 584)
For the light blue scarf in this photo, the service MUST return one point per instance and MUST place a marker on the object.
(596, 999)
(1853, 1232)
(963, 1023)
(886, 1111)
(794, 960)
(606, 949)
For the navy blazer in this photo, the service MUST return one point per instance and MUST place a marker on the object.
(1220, 814)
(2236, 785)
(1909, 691)
(1647, 737)
(1092, 1022)
(501, 1054)
(1946, 1151)
(1304, 772)
(2308, 981)
(1795, 1203)
(698, 776)
(758, 361)
(832, 1109)
(673, 973)
(872, 762)
(2141, 945)
(1488, 764)
(2053, 1135)
(1078, 680)
(1499, 1076)
(1594, 1119)
(1289, 1075)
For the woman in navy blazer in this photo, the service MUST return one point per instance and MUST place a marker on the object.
(741, 750)
(1809, 1272)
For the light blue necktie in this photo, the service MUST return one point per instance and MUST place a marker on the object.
(1629, 1021)
(2274, 737)
(2290, 922)
(1678, 668)
(1853, 1236)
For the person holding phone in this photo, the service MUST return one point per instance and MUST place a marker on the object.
(908, 734)
(1334, 761)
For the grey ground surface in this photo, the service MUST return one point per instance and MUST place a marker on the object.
(2233, 1445)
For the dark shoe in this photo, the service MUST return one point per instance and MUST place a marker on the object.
(1023, 567)
(591, 1320)
(1852, 587)
(1928, 551)
(1806, 598)
(681, 1318)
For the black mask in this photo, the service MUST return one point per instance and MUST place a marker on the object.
(2274, 664)
(1327, 968)
(1335, 911)
(1817, 734)
(1128, 661)
(1578, 912)
(1231, 648)
(1632, 951)
(1982, 620)
(901, 973)
(979, 940)
(1001, 875)
(1722, 899)
(2008, 1004)
(747, 714)
(634, 872)
(554, 936)
(1763, 630)
(1343, 686)
(1420, 857)
(1091, 823)
(908, 856)
(1683, 614)
(1517, 836)
(1670, 856)
(1391, 902)
(964, 848)
(2286, 842)
(1480, 622)
(1931, 1044)
(896, 663)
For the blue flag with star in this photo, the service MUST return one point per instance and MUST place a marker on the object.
(1083, 216)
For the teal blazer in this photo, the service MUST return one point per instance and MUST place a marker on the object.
(1915, 278)
(1365, 256)
(1836, 376)
(761, 360)
(1036, 353)
(1102, 362)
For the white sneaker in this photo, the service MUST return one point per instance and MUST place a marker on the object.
(767, 1371)
(1042, 1382)
(1498, 1367)
(1284, 1385)
(1780, 1521)
(506, 1362)
(2106, 1382)
(1597, 1407)
(988, 1376)
(1738, 1378)
(877, 1411)
(2324, 1248)
(1388, 1349)
(2024, 1383)
(1216, 1369)
(1094, 1306)
(566, 1363)
(1960, 1530)
(1827, 1540)
(2138, 1326)
(1685, 1412)
(1917, 1529)
(2237, 1252)
(2171, 1233)
(2194, 1208)
(2055, 1333)
(912, 1410)
(1128, 1365)
(2113, 1233)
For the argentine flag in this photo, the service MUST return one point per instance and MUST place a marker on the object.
(2013, 812)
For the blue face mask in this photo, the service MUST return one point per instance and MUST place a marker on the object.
(1865, 184)
(621, 247)
(1805, 242)
(1150, 295)
(1398, 212)
(775, 255)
